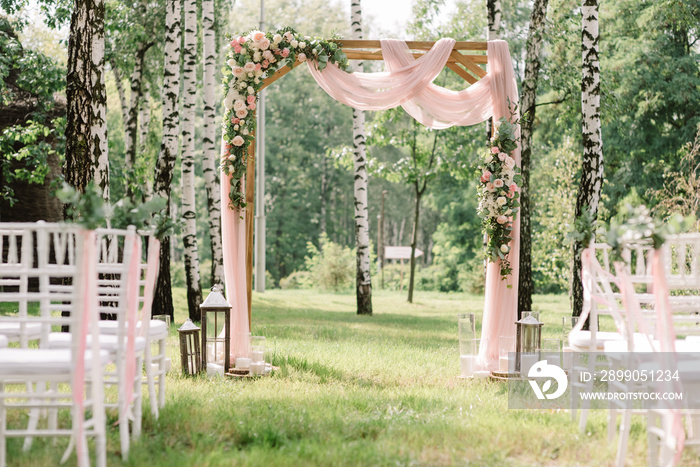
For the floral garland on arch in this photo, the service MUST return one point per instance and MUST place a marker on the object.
(498, 195)
(252, 58)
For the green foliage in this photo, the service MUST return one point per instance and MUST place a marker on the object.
(87, 209)
(330, 266)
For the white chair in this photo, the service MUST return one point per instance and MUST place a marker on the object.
(117, 289)
(52, 269)
(155, 332)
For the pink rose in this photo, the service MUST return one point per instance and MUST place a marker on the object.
(502, 156)
(234, 42)
(243, 113)
(265, 63)
(509, 162)
(486, 175)
(235, 120)
(510, 194)
(502, 219)
(498, 183)
(249, 67)
(513, 187)
(285, 52)
(258, 67)
(258, 36)
(242, 40)
(301, 57)
(238, 140)
(288, 36)
(268, 55)
(495, 150)
(250, 99)
(490, 187)
(265, 43)
(238, 105)
(251, 106)
(237, 48)
(238, 71)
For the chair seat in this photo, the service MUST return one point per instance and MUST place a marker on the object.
(581, 340)
(12, 330)
(3, 342)
(157, 329)
(641, 344)
(18, 362)
(63, 340)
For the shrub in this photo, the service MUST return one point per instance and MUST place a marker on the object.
(331, 266)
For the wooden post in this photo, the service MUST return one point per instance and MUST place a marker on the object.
(249, 224)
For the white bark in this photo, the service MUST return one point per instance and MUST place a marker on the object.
(99, 109)
(189, 238)
(144, 126)
(211, 179)
(363, 281)
(494, 19)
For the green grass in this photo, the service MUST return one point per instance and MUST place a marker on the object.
(356, 390)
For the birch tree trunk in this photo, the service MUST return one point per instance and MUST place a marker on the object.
(528, 99)
(86, 128)
(189, 238)
(211, 179)
(120, 91)
(165, 165)
(589, 188)
(144, 126)
(363, 281)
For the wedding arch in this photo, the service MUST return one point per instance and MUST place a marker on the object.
(258, 59)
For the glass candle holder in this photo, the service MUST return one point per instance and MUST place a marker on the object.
(257, 349)
(506, 346)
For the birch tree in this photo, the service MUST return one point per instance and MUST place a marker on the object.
(589, 188)
(165, 165)
(493, 17)
(363, 281)
(189, 238)
(528, 99)
(86, 126)
(211, 179)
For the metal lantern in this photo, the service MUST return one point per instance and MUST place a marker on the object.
(529, 333)
(190, 353)
(216, 331)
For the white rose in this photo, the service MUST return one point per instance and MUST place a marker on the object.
(257, 56)
(228, 103)
(258, 73)
(239, 105)
(489, 159)
(504, 248)
(277, 38)
(251, 90)
(245, 131)
(294, 44)
(302, 44)
(236, 127)
(250, 75)
(231, 62)
(501, 200)
(242, 122)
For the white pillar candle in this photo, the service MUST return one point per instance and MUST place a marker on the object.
(503, 364)
(214, 369)
(257, 368)
(242, 363)
(467, 362)
(526, 362)
(257, 356)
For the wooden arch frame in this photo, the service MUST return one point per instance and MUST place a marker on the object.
(461, 61)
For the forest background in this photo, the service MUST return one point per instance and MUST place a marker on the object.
(650, 103)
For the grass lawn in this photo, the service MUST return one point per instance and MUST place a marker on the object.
(356, 390)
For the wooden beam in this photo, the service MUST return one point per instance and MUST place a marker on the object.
(468, 64)
(249, 225)
(423, 45)
(278, 74)
(460, 71)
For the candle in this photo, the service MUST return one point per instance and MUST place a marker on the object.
(503, 364)
(257, 368)
(526, 362)
(482, 374)
(257, 356)
(242, 363)
(467, 362)
(168, 364)
(214, 369)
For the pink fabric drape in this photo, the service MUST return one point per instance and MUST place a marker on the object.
(152, 266)
(233, 235)
(89, 299)
(408, 82)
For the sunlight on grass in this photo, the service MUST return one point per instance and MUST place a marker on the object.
(358, 390)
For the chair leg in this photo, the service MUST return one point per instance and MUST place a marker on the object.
(33, 417)
(652, 441)
(624, 437)
(138, 404)
(161, 372)
(612, 423)
(150, 379)
(3, 427)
